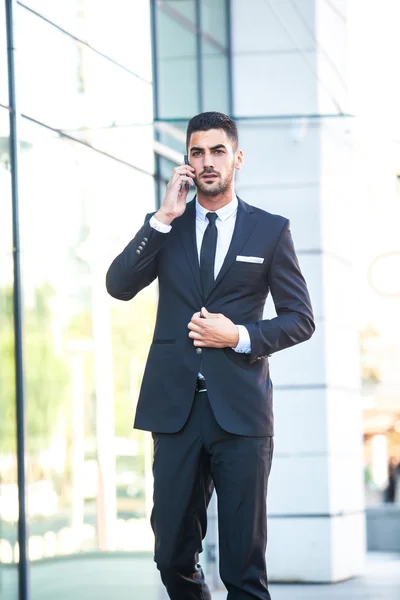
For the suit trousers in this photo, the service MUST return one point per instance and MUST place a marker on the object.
(187, 465)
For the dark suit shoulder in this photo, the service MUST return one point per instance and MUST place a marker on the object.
(266, 218)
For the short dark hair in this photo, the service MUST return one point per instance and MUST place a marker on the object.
(212, 120)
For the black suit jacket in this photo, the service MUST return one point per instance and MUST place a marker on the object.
(239, 385)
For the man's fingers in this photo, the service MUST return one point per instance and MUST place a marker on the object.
(199, 322)
(195, 335)
(193, 327)
(203, 314)
(199, 343)
(184, 166)
(184, 170)
(182, 178)
(209, 315)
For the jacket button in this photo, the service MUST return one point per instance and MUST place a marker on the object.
(199, 350)
(145, 240)
(138, 251)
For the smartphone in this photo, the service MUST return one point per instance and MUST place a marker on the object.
(185, 185)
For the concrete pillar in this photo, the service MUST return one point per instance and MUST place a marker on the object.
(290, 59)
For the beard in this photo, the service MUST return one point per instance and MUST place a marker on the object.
(217, 186)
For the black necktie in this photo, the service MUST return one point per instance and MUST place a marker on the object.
(207, 254)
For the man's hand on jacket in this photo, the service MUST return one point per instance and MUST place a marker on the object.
(213, 330)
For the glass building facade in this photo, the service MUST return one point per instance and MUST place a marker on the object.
(103, 92)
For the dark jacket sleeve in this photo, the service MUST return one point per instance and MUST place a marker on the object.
(294, 322)
(135, 267)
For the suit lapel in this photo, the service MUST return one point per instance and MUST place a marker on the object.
(187, 230)
(245, 223)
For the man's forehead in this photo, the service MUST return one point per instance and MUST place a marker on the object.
(209, 138)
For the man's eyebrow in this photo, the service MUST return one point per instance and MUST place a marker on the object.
(198, 148)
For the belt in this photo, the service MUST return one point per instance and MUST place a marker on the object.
(201, 385)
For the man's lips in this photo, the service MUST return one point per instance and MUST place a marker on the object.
(209, 176)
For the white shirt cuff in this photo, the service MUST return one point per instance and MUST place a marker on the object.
(244, 345)
(158, 226)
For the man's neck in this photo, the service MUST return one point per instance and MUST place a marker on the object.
(213, 203)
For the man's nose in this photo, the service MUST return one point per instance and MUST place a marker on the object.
(208, 160)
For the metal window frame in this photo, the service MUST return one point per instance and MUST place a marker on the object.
(23, 567)
(156, 108)
(199, 57)
(228, 10)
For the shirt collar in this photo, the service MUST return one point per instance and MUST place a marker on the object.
(223, 213)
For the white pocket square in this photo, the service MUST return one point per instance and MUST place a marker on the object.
(250, 259)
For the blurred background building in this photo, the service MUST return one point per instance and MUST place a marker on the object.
(103, 95)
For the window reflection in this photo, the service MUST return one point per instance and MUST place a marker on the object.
(213, 21)
(180, 8)
(120, 29)
(192, 58)
(76, 90)
(177, 66)
(89, 473)
(215, 77)
(89, 480)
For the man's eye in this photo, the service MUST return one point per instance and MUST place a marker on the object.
(196, 153)
(218, 151)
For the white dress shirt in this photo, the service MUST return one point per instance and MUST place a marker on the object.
(225, 224)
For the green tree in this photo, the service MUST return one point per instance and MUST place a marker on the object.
(46, 375)
(132, 328)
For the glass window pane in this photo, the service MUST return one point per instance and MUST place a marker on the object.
(8, 441)
(180, 8)
(166, 168)
(172, 134)
(76, 90)
(89, 477)
(3, 57)
(120, 29)
(85, 95)
(178, 93)
(213, 21)
(215, 79)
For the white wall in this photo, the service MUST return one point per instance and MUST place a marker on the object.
(293, 62)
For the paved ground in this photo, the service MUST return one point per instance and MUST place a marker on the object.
(126, 578)
(381, 582)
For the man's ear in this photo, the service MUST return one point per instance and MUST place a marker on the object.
(239, 159)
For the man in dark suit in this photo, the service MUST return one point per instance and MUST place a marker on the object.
(206, 393)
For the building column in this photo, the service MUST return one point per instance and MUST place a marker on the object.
(289, 58)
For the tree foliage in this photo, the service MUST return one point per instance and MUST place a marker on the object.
(46, 375)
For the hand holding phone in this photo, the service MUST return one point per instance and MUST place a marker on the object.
(174, 203)
(185, 186)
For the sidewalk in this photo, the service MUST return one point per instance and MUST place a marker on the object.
(380, 582)
(125, 577)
